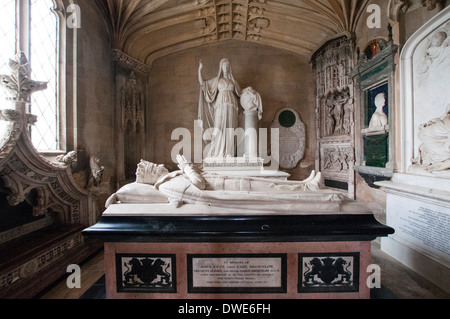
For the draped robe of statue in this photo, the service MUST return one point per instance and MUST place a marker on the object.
(219, 110)
(435, 136)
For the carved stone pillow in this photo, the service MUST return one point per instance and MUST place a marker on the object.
(139, 193)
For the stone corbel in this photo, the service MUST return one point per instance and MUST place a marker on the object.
(396, 7)
(134, 64)
(70, 159)
(96, 170)
(433, 4)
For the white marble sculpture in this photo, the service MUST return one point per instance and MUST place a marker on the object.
(436, 53)
(251, 102)
(70, 159)
(219, 109)
(379, 118)
(96, 170)
(431, 74)
(253, 110)
(156, 185)
(434, 153)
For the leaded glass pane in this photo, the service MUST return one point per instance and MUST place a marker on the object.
(7, 42)
(43, 57)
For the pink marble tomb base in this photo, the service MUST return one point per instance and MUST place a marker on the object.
(291, 249)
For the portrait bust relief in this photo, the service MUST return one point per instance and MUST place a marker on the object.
(379, 118)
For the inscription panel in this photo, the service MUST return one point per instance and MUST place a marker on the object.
(237, 273)
(425, 225)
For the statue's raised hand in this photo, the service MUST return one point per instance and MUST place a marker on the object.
(182, 162)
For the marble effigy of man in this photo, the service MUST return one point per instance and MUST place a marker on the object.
(189, 185)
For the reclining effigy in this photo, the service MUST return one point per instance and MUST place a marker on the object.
(190, 186)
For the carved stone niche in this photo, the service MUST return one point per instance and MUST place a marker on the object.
(131, 140)
(37, 252)
(335, 111)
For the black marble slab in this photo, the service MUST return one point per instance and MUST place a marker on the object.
(267, 228)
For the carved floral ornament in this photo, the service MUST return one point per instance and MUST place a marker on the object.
(19, 84)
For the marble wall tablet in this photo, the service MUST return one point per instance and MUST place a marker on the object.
(292, 137)
(237, 273)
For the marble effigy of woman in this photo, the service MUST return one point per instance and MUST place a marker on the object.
(219, 109)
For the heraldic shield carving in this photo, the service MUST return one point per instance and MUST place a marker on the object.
(328, 273)
(138, 273)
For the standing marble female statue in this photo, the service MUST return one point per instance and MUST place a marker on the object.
(219, 109)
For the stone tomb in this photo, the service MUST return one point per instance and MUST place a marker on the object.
(155, 251)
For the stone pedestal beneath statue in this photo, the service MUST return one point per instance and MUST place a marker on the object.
(418, 208)
(235, 256)
(241, 166)
(233, 164)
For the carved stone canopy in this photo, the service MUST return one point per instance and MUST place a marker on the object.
(22, 169)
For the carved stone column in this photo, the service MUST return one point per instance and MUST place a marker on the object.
(251, 134)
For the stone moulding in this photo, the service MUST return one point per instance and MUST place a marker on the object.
(134, 64)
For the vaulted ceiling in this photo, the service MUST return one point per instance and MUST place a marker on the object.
(149, 29)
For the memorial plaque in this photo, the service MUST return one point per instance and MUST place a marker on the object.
(424, 225)
(376, 149)
(333, 272)
(292, 137)
(146, 273)
(237, 273)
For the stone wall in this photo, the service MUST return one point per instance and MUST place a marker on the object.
(283, 80)
(94, 119)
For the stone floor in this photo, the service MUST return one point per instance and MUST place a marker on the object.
(398, 281)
